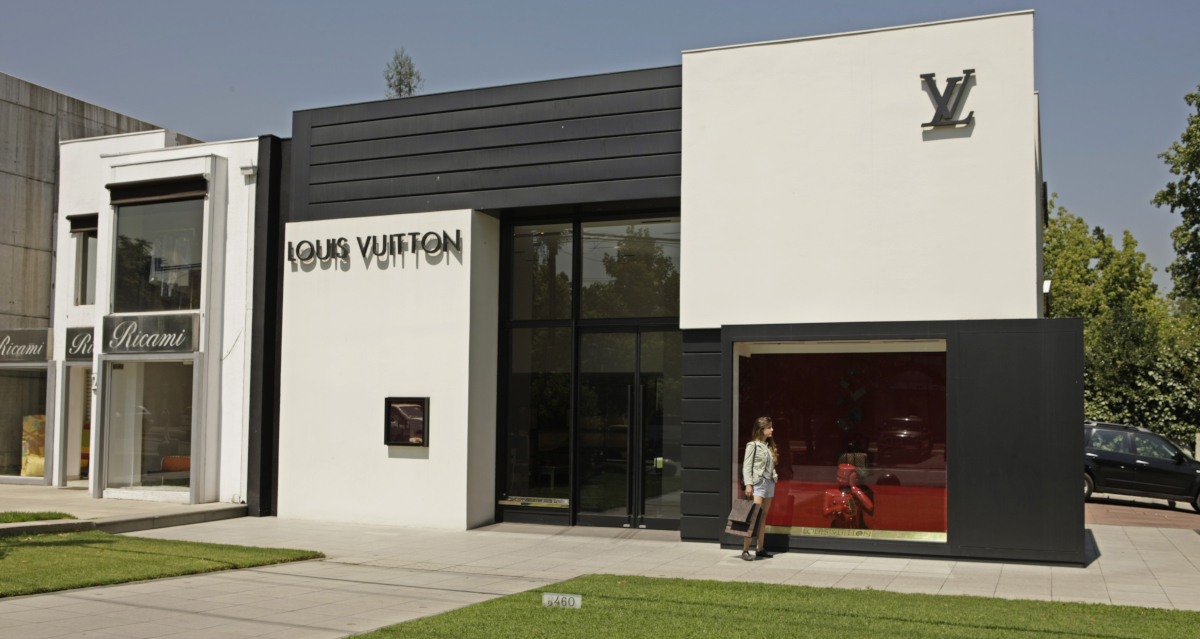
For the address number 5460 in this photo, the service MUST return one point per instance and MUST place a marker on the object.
(557, 600)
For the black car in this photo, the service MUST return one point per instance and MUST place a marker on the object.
(1127, 460)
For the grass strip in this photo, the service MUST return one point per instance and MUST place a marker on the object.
(18, 516)
(31, 564)
(615, 606)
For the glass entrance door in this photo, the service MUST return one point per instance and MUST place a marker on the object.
(628, 417)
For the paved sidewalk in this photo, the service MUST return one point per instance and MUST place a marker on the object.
(1120, 510)
(78, 502)
(379, 575)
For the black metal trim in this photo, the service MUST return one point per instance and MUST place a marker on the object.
(270, 217)
(183, 187)
(84, 222)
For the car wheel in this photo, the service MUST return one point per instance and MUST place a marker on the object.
(1171, 505)
(1088, 486)
(1196, 502)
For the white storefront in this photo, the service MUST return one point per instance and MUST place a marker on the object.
(151, 321)
(854, 189)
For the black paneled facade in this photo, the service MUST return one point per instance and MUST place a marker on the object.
(602, 138)
(1015, 406)
(707, 445)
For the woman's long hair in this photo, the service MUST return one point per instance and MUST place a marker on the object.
(760, 427)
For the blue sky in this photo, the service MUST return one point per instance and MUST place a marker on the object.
(1112, 75)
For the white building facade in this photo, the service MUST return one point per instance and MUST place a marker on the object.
(570, 303)
(152, 317)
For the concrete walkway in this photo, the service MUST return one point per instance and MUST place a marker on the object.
(1121, 510)
(379, 575)
(78, 502)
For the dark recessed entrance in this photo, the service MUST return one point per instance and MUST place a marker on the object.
(591, 390)
(627, 416)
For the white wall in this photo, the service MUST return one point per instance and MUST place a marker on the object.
(359, 330)
(86, 166)
(812, 194)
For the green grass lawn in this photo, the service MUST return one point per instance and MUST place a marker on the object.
(17, 516)
(43, 563)
(661, 608)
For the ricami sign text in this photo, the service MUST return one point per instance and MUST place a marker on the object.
(375, 245)
(173, 333)
(25, 345)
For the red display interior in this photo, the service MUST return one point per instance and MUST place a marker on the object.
(883, 413)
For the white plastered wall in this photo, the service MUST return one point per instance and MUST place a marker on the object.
(811, 193)
(359, 330)
(86, 166)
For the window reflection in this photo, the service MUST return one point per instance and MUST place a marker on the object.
(630, 269)
(539, 408)
(541, 272)
(159, 257)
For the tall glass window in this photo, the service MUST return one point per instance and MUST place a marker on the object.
(539, 417)
(23, 422)
(85, 267)
(150, 425)
(542, 272)
(630, 269)
(860, 430)
(159, 257)
(594, 387)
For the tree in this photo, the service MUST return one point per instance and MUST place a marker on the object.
(1141, 352)
(1184, 196)
(402, 77)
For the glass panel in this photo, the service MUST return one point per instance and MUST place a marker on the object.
(861, 439)
(539, 415)
(1148, 446)
(78, 391)
(662, 405)
(1109, 441)
(541, 272)
(150, 425)
(85, 268)
(23, 422)
(630, 269)
(606, 378)
(159, 249)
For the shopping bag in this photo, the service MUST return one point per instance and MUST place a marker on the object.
(743, 518)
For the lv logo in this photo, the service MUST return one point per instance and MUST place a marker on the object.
(946, 109)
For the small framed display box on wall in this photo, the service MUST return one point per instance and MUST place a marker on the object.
(406, 421)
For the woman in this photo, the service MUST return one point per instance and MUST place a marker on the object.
(758, 473)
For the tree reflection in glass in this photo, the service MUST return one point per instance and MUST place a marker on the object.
(541, 272)
(630, 269)
(159, 257)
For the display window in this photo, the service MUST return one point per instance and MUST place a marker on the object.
(159, 257)
(23, 422)
(860, 429)
(149, 439)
